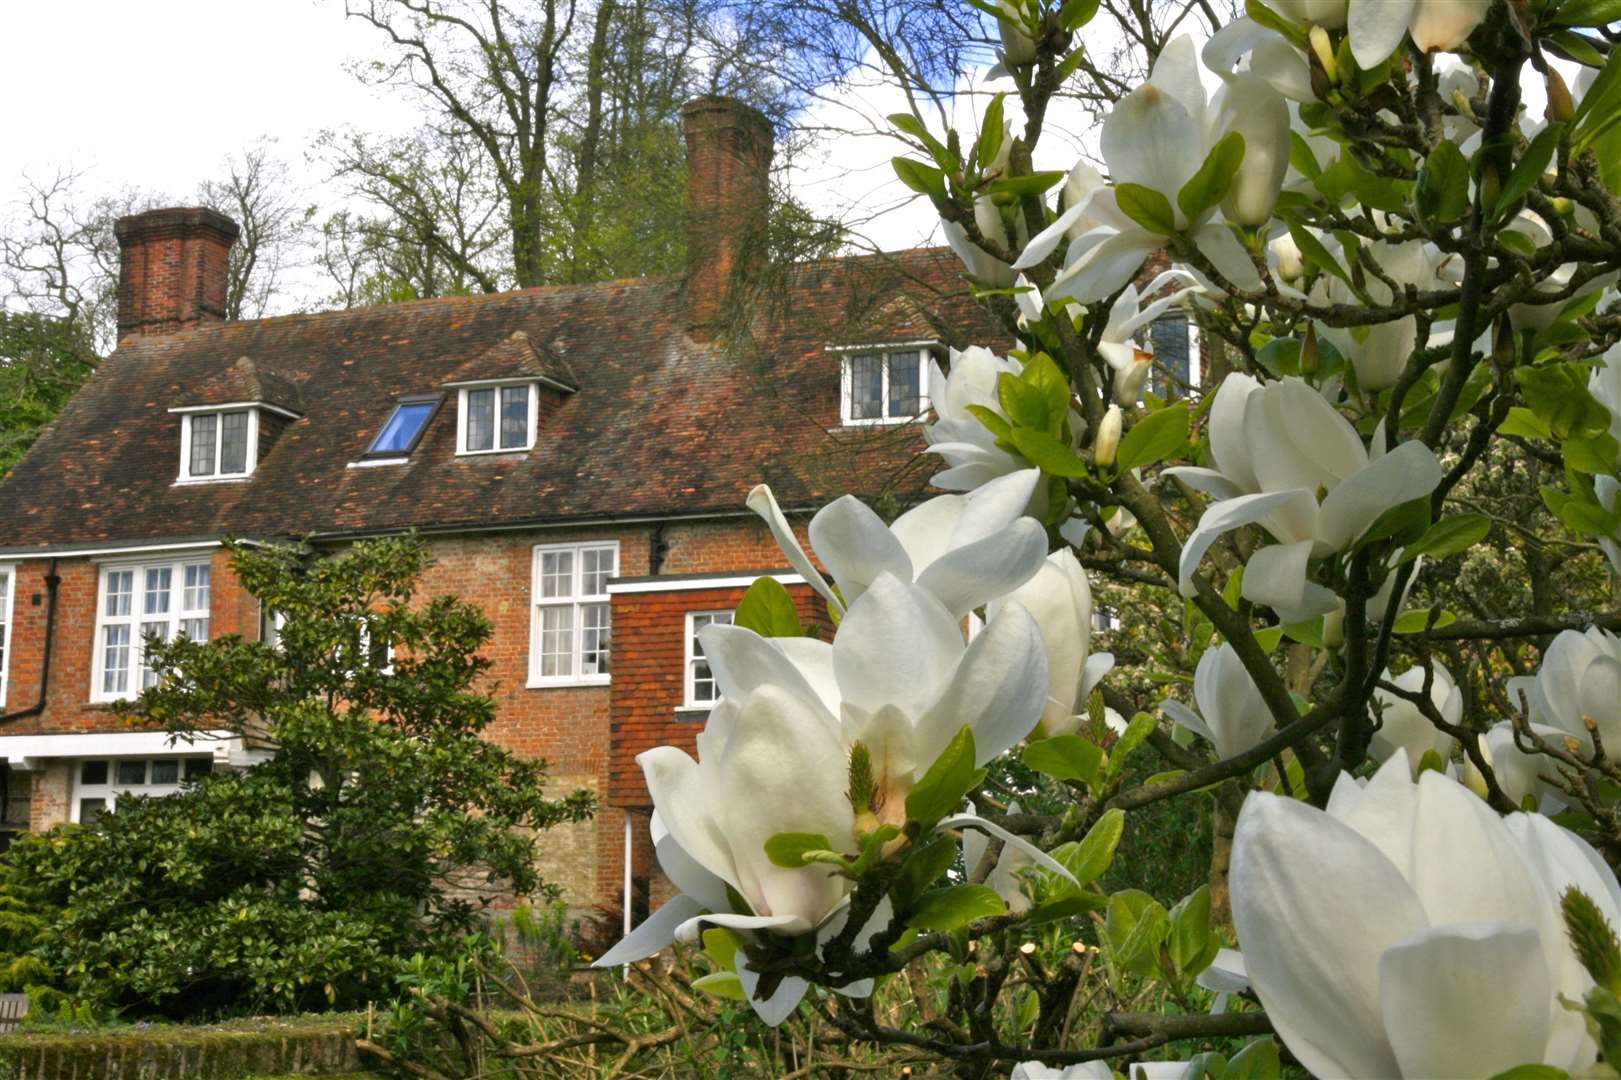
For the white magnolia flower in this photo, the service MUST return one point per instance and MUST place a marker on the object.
(1329, 14)
(957, 435)
(1244, 46)
(1232, 716)
(1403, 725)
(1127, 316)
(1605, 385)
(1275, 447)
(1518, 773)
(1580, 679)
(1086, 1070)
(1437, 946)
(1059, 597)
(1157, 137)
(1377, 26)
(1535, 316)
(964, 549)
(898, 679)
(1379, 352)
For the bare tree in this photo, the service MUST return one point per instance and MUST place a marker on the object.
(257, 193)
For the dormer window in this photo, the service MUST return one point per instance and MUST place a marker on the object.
(404, 427)
(218, 444)
(888, 386)
(496, 418)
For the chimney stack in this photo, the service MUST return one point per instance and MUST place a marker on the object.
(173, 267)
(729, 147)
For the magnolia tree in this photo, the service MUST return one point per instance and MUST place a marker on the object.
(1404, 280)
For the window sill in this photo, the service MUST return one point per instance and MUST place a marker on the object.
(373, 463)
(555, 684)
(691, 708)
(188, 481)
(511, 451)
(883, 421)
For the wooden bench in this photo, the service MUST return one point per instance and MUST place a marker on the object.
(13, 1007)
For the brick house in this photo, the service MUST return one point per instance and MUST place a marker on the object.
(576, 458)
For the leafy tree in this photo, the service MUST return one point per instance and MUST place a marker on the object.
(43, 360)
(378, 825)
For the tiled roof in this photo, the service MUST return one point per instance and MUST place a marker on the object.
(245, 381)
(660, 425)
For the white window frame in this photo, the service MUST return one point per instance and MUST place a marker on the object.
(847, 360)
(689, 695)
(175, 617)
(8, 598)
(112, 790)
(217, 476)
(576, 601)
(462, 416)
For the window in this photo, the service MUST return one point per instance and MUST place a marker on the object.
(1171, 342)
(218, 445)
(570, 623)
(885, 388)
(404, 427)
(99, 782)
(496, 419)
(701, 688)
(7, 576)
(151, 600)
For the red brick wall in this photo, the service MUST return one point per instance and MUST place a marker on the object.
(172, 269)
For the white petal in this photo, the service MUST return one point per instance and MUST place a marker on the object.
(686, 873)
(1106, 267)
(1298, 875)
(1181, 714)
(925, 530)
(1376, 29)
(1232, 706)
(1217, 243)
(1276, 576)
(896, 646)
(762, 502)
(654, 935)
(994, 507)
(1230, 514)
(1150, 138)
(1382, 811)
(856, 546)
(1045, 242)
(791, 925)
(814, 659)
(1466, 1000)
(781, 1004)
(1408, 472)
(742, 661)
(1466, 867)
(1176, 71)
(969, 576)
(980, 263)
(1226, 972)
(1035, 854)
(1228, 446)
(998, 689)
(678, 791)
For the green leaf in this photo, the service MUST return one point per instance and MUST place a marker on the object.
(1210, 185)
(789, 849)
(1533, 1072)
(912, 126)
(1270, 19)
(1414, 622)
(1268, 638)
(722, 944)
(1586, 12)
(1309, 632)
(1558, 395)
(1302, 158)
(1135, 734)
(1593, 455)
(947, 781)
(722, 984)
(921, 178)
(1065, 757)
(1021, 186)
(1529, 169)
(1048, 454)
(768, 610)
(1192, 945)
(1023, 402)
(993, 421)
(1345, 179)
(1146, 207)
(1155, 437)
(989, 143)
(1602, 98)
(1257, 1061)
(1135, 928)
(955, 907)
(1577, 47)
(1076, 14)
(922, 869)
(1450, 535)
(1046, 377)
(1315, 253)
(1089, 858)
(1523, 422)
(1442, 192)
(1401, 524)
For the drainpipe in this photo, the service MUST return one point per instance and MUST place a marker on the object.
(52, 581)
(628, 815)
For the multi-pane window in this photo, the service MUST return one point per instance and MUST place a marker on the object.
(496, 418)
(6, 590)
(571, 629)
(157, 600)
(1171, 340)
(98, 783)
(218, 445)
(884, 388)
(701, 688)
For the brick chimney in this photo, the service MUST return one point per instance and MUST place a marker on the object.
(172, 270)
(729, 148)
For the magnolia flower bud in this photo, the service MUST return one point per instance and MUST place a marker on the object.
(1130, 379)
(1329, 13)
(1560, 106)
(1257, 112)
(1018, 47)
(1445, 24)
(1323, 49)
(1108, 440)
(1291, 264)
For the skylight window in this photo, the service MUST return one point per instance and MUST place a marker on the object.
(404, 427)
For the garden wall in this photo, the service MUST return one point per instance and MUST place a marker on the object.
(243, 1048)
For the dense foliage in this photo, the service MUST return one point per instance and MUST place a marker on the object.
(377, 825)
(43, 360)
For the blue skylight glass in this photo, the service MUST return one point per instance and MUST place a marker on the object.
(403, 427)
